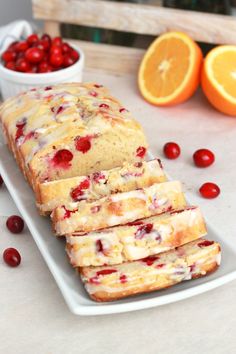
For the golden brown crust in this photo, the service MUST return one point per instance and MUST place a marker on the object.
(102, 296)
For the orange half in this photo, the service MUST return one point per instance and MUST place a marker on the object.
(170, 69)
(219, 78)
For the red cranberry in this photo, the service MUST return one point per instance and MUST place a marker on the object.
(55, 50)
(44, 67)
(74, 54)
(56, 60)
(34, 55)
(143, 230)
(44, 45)
(65, 48)
(141, 151)
(33, 38)
(171, 150)
(57, 41)
(149, 260)
(99, 246)
(98, 176)
(1, 181)
(11, 257)
(122, 110)
(205, 243)
(46, 37)
(10, 65)
(104, 105)
(123, 279)
(62, 156)
(21, 46)
(8, 55)
(203, 158)
(83, 144)
(15, 224)
(20, 129)
(67, 61)
(77, 193)
(22, 65)
(93, 93)
(209, 190)
(106, 271)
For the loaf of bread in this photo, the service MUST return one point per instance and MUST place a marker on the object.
(99, 184)
(118, 209)
(69, 130)
(136, 240)
(193, 260)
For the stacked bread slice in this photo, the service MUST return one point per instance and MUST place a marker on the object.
(136, 238)
(128, 229)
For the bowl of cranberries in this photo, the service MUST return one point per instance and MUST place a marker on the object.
(39, 61)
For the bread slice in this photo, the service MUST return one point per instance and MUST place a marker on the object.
(69, 130)
(136, 240)
(99, 184)
(118, 209)
(193, 260)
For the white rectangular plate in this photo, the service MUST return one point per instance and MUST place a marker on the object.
(69, 283)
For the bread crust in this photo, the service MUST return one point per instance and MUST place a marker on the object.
(191, 261)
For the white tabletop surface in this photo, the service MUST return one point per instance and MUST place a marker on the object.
(34, 318)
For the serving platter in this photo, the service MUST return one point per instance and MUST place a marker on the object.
(52, 250)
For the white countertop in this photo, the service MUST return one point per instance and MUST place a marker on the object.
(34, 317)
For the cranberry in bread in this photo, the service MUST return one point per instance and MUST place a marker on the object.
(193, 260)
(99, 184)
(68, 130)
(119, 208)
(136, 240)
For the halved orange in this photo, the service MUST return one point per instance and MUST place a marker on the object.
(219, 78)
(170, 69)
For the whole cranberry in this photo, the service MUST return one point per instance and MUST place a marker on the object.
(209, 190)
(56, 60)
(44, 67)
(21, 46)
(33, 38)
(171, 150)
(74, 54)
(44, 44)
(10, 65)
(15, 224)
(9, 55)
(11, 257)
(55, 50)
(66, 48)
(46, 37)
(203, 158)
(57, 41)
(22, 65)
(34, 55)
(67, 61)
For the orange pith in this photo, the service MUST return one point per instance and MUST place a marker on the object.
(170, 70)
(219, 78)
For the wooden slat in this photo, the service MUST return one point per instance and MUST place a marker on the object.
(137, 18)
(109, 58)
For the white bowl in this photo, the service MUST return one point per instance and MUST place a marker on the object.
(13, 82)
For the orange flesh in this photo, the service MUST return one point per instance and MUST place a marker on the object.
(163, 74)
(224, 69)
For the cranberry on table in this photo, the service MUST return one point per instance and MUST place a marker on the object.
(203, 158)
(171, 150)
(209, 190)
(15, 224)
(11, 257)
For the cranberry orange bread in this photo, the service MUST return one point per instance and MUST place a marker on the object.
(99, 184)
(136, 240)
(69, 130)
(117, 209)
(193, 260)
